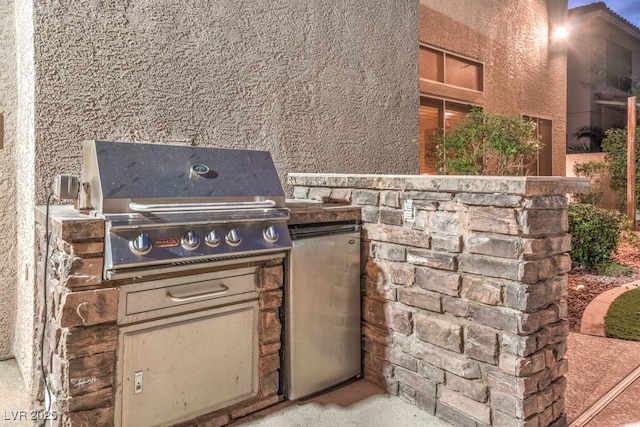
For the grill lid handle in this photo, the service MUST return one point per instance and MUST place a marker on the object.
(188, 207)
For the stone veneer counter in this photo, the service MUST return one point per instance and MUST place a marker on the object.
(313, 212)
(465, 277)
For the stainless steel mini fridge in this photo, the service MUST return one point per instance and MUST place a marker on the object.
(322, 309)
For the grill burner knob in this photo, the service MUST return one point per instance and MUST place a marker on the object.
(233, 237)
(271, 234)
(191, 240)
(212, 239)
(141, 244)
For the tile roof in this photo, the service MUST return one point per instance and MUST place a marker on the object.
(600, 6)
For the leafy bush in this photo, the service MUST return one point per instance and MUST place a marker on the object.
(615, 146)
(594, 171)
(595, 234)
(487, 144)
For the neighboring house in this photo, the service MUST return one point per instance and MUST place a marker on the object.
(499, 56)
(603, 63)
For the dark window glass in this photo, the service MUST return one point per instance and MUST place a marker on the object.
(618, 73)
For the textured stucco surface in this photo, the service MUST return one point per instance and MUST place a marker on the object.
(524, 72)
(324, 86)
(24, 335)
(8, 102)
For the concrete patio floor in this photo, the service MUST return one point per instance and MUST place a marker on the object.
(596, 365)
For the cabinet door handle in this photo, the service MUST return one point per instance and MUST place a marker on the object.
(223, 290)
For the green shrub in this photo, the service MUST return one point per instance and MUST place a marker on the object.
(595, 234)
(615, 146)
(487, 144)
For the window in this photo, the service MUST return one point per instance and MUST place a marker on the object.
(436, 114)
(542, 165)
(444, 67)
(618, 66)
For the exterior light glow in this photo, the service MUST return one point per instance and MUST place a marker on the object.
(560, 33)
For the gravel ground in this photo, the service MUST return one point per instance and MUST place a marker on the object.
(584, 285)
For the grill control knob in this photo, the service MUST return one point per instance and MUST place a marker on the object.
(190, 240)
(141, 245)
(271, 234)
(212, 239)
(233, 237)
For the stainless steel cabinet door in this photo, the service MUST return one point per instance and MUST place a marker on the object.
(323, 313)
(177, 368)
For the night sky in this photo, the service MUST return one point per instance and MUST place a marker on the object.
(628, 9)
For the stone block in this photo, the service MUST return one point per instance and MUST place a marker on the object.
(407, 393)
(501, 318)
(370, 214)
(216, 419)
(444, 282)
(474, 389)
(434, 259)
(546, 202)
(523, 345)
(547, 245)
(381, 335)
(540, 222)
(493, 220)
(365, 197)
(270, 326)
(390, 216)
(529, 297)
(440, 332)
(401, 273)
(389, 252)
(427, 370)
(81, 249)
(426, 403)
(82, 342)
(401, 359)
(485, 199)
(89, 401)
(396, 234)
(520, 387)
(420, 219)
(482, 289)
(415, 381)
(319, 193)
(502, 268)
(300, 192)
(271, 277)
(513, 405)
(439, 357)
(92, 373)
(521, 366)
(533, 322)
(388, 315)
(428, 196)
(446, 243)
(94, 417)
(269, 363)
(563, 263)
(340, 195)
(456, 306)
(269, 384)
(500, 419)
(269, 347)
(481, 343)
(494, 245)
(271, 299)
(243, 409)
(390, 198)
(87, 308)
(416, 297)
(444, 223)
(464, 405)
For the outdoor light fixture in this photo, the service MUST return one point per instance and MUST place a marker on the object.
(560, 33)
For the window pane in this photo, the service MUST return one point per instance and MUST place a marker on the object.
(464, 73)
(431, 64)
(430, 118)
(454, 114)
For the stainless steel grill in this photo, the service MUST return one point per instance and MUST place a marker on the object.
(167, 207)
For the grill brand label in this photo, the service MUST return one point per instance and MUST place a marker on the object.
(167, 242)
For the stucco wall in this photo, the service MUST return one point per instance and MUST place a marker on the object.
(524, 73)
(8, 102)
(324, 86)
(24, 219)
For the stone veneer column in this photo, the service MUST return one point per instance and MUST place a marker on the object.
(81, 337)
(464, 286)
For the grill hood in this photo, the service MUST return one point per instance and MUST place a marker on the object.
(120, 177)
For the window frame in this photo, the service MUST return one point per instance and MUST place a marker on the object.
(445, 54)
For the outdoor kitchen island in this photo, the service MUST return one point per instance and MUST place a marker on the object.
(82, 330)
